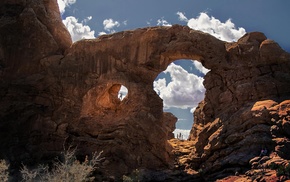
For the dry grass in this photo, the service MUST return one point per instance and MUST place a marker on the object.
(70, 169)
(4, 174)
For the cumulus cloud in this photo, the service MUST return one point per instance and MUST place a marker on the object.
(110, 24)
(193, 109)
(162, 22)
(122, 92)
(78, 30)
(62, 4)
(224, 31)
(181, 16)
(200, 68)
(86, 20)
(102, 33)
(184, 91)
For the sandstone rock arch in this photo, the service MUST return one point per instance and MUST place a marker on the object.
(63, 90)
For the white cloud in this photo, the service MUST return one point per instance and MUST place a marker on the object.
(199, 67)
(160, 86)
(125, 22)
(162, 22)
(62, 4)
(87, 19)
(184, 133)
(223, 31)
(149, 22)
(181, 16)
(193, 109)
(102, 33)
(122, 92)
(184, 91)
(110, 24)
(78, 30)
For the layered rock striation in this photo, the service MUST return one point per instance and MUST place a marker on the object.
(55, 93)
(245, 107)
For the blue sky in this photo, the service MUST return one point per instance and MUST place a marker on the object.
(268, 16)
(226, 19)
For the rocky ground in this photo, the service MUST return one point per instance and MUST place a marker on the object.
(268, 168)
(181, 151)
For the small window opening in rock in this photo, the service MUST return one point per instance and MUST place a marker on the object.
(181, 88)
(122, 92)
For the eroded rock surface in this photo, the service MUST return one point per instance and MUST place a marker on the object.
(53, 92)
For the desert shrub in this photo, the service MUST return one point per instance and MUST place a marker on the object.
(283, 170)
(135, 176)
(280, 171)
(273, 166)
(70, 169)
(287, 169)
(4, 174)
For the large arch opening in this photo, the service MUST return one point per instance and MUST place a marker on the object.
(181, 88)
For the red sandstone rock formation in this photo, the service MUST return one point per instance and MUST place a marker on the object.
(52, 92)
(240, 112)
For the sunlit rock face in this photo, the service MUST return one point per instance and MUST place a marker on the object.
(244, 109)
(53, 93)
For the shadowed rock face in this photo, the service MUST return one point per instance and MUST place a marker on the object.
(53, 92)
(30, 30)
